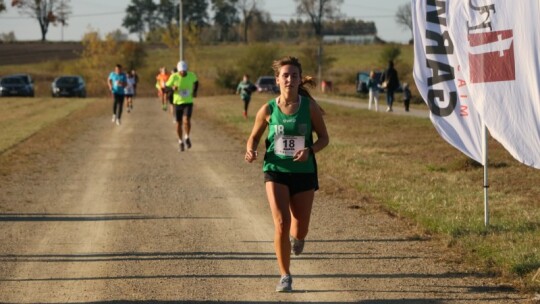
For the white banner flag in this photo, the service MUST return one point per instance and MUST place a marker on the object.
(440, 81)
(499, 47)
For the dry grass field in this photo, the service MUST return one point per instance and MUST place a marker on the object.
(36, 52)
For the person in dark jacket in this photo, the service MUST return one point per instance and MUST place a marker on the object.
(390, 82)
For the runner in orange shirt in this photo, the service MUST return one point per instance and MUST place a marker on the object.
(161, 81)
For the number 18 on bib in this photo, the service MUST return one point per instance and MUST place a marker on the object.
(287, 145)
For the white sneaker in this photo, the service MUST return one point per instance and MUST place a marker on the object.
(113, 118)
(118, 122)
(285, 284)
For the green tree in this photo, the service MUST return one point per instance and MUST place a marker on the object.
(141, 16)
(195, 12)
(226, 16)
(100, 55)
(46, 12)
(2, 6)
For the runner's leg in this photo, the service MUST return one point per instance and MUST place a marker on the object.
(179, 117)
(278, 198)
(120, 106)
(301, 205)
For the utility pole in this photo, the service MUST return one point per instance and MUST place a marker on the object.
(181, 37)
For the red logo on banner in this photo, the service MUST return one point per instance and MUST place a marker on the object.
(491, 56)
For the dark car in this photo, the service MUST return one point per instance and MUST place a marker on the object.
(17, 85)
(267, 84)
(68, 86)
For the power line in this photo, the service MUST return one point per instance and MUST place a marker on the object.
(70, 16)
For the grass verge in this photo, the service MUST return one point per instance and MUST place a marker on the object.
(402, 163)
(23, 117)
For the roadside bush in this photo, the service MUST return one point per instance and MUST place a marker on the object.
(391, 52)
(100, 56)
(227, 78)
(309, 58)
(258, 60)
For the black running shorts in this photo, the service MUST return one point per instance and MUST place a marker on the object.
(183, 110)
(296, 182)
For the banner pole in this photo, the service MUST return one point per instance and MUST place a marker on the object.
(486, 184)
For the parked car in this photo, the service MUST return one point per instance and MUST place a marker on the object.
(68, 86)
(17, 85)
(267, 84)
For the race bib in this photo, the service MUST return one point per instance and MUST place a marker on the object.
(184, 93)
(287, 145)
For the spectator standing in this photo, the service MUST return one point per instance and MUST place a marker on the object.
(390, 82)
(406, 96)
(373, 89)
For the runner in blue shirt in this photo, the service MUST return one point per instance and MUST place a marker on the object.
(117, 81)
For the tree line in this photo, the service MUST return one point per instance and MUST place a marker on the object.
(232, 20)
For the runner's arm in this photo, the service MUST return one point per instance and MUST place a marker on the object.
(318, 125)
(259, 126)
(195, 88)
(109, 83)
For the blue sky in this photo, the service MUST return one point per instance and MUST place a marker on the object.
(106, 16)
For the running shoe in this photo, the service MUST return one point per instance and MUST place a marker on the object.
(188, 143)
(118, 122)
(164, 107)
(181, 147)
(297, 246)
(285, 284)
(113, 118)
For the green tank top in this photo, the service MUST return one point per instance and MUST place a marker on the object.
(287, 134)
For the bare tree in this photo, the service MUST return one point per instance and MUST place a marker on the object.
(45, 11)
(64, 10)
(404, 17)
(247, 8)
(317, 11)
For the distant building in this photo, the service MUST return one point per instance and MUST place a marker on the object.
(351, 39)
(350, 31)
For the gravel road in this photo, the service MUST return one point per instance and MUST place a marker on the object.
(119, 215)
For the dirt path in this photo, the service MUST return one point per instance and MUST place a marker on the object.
(125, 217)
